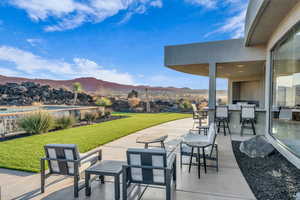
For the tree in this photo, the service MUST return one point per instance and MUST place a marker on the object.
(103, 101)
(133, 94)
(76, 89)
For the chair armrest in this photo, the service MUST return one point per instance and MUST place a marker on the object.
(59, 159)
(97, 151)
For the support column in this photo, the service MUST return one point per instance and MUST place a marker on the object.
(212, 91)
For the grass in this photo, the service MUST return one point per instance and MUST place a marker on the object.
(25, 153)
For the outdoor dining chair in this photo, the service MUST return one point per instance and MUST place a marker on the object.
(211, 150)
(198, 117)
(64, 159)
(149, 167)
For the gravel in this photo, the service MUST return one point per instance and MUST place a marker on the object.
(270, 178)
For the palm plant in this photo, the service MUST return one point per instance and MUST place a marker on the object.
(76, 89)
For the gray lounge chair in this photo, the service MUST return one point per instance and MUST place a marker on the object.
(64, 159)
(150, 167)
(211, 151)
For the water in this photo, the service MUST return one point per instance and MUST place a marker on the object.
(32, 108)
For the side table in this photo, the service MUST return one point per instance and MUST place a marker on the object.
(105, 168)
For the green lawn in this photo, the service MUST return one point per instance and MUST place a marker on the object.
(24, 153)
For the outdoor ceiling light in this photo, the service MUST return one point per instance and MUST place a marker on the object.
(241, 71)
(240, 66)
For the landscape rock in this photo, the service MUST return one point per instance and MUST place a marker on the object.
(257, 146)
(28, 92)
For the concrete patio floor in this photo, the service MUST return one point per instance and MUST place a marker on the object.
(227, 184)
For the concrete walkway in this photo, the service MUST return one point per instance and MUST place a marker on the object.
(227, 184)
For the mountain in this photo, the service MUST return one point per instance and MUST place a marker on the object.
(96, 86)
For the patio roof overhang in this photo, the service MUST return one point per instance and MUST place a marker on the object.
(263, 17)
(228, 55)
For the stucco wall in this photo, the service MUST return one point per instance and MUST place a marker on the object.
(252, 88)
(284, 26)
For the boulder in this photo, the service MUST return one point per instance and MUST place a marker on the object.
(257, 146)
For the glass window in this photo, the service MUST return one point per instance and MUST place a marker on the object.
(285, 118)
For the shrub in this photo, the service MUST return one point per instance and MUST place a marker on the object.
(100, 114)
(64, 122)
(107, 114)
(186, 105)
(134, 102)
(103, 101)
(36, 123)
(90, 117)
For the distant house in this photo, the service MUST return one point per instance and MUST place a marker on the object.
(263, 68)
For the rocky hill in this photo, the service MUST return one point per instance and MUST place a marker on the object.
(93, 85)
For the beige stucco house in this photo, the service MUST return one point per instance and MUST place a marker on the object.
(262, 68)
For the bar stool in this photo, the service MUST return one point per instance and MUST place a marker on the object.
(248, 118)
(222, 118)
(198, 117)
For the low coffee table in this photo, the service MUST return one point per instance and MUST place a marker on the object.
(155, 138)
(105, 168)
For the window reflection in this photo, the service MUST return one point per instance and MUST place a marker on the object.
(285, 123)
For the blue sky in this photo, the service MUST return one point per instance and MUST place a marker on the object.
(114, 40)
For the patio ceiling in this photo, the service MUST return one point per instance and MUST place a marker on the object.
(231, 70)
(263, 18)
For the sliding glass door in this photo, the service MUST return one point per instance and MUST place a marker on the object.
(285, 109)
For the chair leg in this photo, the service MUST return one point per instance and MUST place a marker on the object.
(76, 188)
(218, 126)
(124, 183)
(191, 159)
(168, 185)
(217, 158)
(242, 128)
(224, 127)
(227, 124)
(204, 160)
(253, 127)
(43, 177)
(87, 184)
(180, 159)
(174, 172)
(199, 164)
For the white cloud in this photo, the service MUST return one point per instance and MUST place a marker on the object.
(8, 72)
(73, 13)
(33, 65)
(234, 23)
(204, 3)
(34, 41)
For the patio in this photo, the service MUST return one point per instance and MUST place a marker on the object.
(228, 183)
